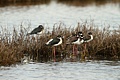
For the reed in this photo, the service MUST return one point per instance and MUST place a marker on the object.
(106, 44)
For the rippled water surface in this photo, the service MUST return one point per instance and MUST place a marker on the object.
(94, 70)
(49, 14)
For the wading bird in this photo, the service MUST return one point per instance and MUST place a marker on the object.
(77, 39)
(37, 30)
(87, 39)
(54, 42)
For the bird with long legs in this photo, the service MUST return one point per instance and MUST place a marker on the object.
(33, 35)
(55, 42)
(77, 39)
(87, 39)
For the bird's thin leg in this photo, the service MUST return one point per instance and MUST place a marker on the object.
(73, 49)
(84, 50)
(85, 47)
(54, 55)
(76, 49)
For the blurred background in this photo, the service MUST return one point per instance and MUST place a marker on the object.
(31, 13)
(4, 3)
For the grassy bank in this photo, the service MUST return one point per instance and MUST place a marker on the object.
(106, 45)
(69, 2)
(87, 2)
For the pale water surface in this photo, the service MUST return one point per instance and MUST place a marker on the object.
(49, 14)
(94, 70)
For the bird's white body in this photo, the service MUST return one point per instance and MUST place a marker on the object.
(81, 41)
(49, 41)
(41, 32)
(78, 42)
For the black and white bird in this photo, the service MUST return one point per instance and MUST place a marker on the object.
(55, 42)
(37, 30)
(87, 39)
(77, 40)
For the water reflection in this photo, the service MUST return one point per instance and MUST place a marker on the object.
(49, 12)
(113, 63)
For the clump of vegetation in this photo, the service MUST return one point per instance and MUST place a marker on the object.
(105, 45)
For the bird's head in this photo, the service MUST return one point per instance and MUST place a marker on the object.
(41, 27)
(79, 34)
(59, 36)
(81, 37)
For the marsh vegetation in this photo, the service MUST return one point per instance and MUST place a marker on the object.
(13, 47)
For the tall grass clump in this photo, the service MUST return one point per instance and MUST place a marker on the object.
(13, 47)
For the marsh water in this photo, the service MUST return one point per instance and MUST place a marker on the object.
(93, 70)
(70, 14)
(57, 11)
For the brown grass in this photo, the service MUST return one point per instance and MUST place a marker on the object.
(106, 45)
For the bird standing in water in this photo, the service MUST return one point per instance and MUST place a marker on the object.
(77, 39)
(55, 42)
(87, 39)
(37, 30)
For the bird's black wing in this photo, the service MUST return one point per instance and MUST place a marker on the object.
(73, 39)
(35, 31)
(86, 38)
(54, 41)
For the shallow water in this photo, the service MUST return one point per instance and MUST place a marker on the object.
(49, 14)
(94, 70)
